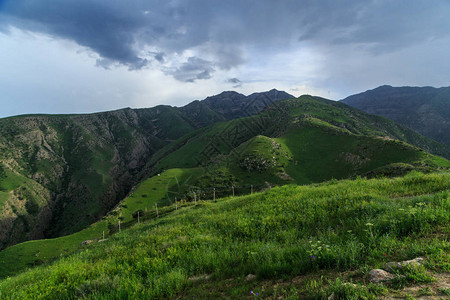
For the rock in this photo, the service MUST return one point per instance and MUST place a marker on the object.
(87, 242)
(399, 265)
(378, 275)
(250, 277)
(199, 278)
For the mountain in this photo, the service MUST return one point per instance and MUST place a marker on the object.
(293, 141)
(230, 105)
(424, 109)
(60, 173)
(303, 140)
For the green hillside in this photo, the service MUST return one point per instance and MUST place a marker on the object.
(98, 159)
(156, 190)
(303, 140)
(78, 167)
(299, 241)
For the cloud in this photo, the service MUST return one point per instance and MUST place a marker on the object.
(236, 82)
(120, 31)
(197, 39)
(195, 68)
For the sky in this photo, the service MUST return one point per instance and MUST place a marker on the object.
(81, 56)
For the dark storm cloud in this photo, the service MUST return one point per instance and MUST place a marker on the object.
(235, 81)
(195, 68)
(135, 32)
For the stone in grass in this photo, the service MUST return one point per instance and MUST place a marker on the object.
(378, 275)
(250, 277)
(203, 277)
(399, 265)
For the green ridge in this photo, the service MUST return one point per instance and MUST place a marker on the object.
(350, 225)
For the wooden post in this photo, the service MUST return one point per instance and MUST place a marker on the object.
(233, 190)
(156, 205)
(119, 225)
(214, 194)
(103, 234)
(138, 217)
(251, 192)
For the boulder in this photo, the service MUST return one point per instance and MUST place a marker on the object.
(378, 275)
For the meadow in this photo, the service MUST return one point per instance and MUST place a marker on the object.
(320, 233)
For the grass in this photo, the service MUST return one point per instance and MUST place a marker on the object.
(9, 181)
(157, 189)
(281, 233)
(161, 189)
(320, 155)
(315, 141)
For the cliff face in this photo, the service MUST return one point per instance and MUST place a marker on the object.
(60, 173)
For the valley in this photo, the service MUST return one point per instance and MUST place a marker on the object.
(142, 180)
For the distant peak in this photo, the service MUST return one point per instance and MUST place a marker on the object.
(225, 93)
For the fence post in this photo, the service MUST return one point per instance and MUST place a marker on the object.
(233, 190)
(138, 217)
(214, 193)
(119, 225)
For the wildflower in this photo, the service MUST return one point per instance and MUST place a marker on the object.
(251, 292)
(384, 254)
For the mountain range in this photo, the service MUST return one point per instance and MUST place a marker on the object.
(86, 177)
(424, 109)
(60, 173)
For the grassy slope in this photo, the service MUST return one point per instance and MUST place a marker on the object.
(310, 151)
(157, 189)
(8, 183)
(221, 138)
(287, 231)
(88, 162)
(320, 156)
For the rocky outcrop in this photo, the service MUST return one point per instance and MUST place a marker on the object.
(390, 266)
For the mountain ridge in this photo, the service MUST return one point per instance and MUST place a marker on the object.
(83, 164)
(424, 109)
